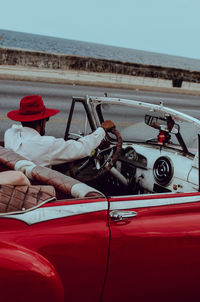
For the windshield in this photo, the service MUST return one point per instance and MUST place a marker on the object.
(130, 122)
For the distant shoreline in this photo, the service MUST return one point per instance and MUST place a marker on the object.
(93, 50)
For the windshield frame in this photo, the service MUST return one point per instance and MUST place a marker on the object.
(162, 111)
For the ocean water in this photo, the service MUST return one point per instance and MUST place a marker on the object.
(80, 48)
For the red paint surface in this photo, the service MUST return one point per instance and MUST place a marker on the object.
(76, 247)
(27, 276)
(153, 256)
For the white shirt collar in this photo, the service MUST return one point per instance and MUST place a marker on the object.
(25, 130)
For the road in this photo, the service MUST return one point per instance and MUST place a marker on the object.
(59, 96)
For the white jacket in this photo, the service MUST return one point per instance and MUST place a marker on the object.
(48, 150)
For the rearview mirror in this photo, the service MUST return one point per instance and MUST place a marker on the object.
(150, 120)
(161, 124)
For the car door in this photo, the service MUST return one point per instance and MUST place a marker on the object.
(73, 235)
(154, 248)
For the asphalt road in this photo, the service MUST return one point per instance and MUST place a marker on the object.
(59, 96)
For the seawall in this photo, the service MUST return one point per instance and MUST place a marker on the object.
(18, 64)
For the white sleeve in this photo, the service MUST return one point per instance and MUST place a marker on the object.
(66, 151)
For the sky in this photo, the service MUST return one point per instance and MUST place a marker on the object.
(162, 26)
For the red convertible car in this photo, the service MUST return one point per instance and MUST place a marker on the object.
(126, 229)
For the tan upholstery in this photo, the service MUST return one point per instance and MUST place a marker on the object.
(19, 198)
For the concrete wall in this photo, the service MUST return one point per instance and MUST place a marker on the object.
(34, 65)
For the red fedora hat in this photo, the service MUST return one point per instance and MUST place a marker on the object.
(31, 109)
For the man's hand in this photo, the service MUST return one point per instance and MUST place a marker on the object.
(155, 125)
(107, 125)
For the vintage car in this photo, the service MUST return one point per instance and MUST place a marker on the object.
(126, 229)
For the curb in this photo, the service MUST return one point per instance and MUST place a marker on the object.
(98, 79)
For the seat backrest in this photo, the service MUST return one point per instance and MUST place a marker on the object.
(69, 186)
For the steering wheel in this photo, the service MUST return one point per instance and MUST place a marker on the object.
(99, 163)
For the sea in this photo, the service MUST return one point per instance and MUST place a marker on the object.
(13, 39)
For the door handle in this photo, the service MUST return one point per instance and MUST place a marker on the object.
(120, 215)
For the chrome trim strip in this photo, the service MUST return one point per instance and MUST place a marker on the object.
(28, 210)
(147, 203)
(55, 212)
